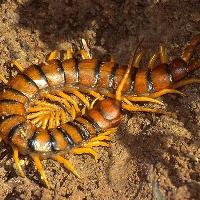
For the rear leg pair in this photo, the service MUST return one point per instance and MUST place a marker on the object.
(86, 148)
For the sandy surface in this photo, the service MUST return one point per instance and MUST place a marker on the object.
(152, 156)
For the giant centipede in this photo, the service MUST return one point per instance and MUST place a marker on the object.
(39, 106)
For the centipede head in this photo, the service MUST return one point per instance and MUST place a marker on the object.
(107, 112)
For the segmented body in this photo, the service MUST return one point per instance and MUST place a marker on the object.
(52, 83)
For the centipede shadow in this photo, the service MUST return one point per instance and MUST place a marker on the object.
(150, 145)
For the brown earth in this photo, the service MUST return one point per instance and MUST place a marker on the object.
(152, 156)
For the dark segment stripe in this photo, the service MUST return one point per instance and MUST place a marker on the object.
(132, 81)
(97, 72)
(17, 92)
(31, 141)
(112, 75)
(4, 118)
(77, 70)
(62, 71)
(169, 74)
(14, 130)
(150, 87)
(94, 124)
(42, 74)
(52, 141)
(85, 134)
(78, 128)
(9, 101)
(66, 136)
(29, 80)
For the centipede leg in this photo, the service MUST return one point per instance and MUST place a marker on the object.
(163, 54)
(138, 58)
(79, 95)
(68, 54)
(3, 79)
(96, 144)
(40, 168)
(95, 94)
(70, 99)
(152, 61)
(66, 164)
(143, 109)
(85, 52)
(165, 91)
(84, 150)
(185, 82)
(17, 161)
(53, 55)
(138, 99)
(62, 101)
(17, 65)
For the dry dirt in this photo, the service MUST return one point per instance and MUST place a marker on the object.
(152, 156)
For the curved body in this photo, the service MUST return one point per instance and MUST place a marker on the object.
(87, 75)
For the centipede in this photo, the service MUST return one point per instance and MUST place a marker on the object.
(73, 105)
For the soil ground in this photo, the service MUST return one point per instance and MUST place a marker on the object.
(152, 156)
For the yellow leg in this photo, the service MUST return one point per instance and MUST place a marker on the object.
(96, 144)
(17, 161)
(152, 61)
(109, 132)
(3, 79)
(68, 54)
(142, 109)
(138, 59)
(70, 99)
(17, 65)
(163, 54)
(86, 53)
(39, 166)
(52, 121)
(36, 114)
(186, 82)
(61, 100)
(165, 91)
(83, 150)
(79, 95)
(95, 94)
(93, 102)
(66, 164)
(45, 121)
(53, 55)
(138, 99)
(101, 138)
